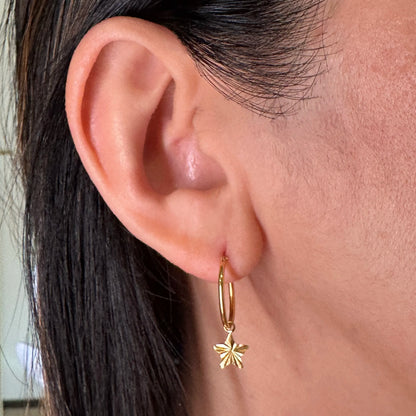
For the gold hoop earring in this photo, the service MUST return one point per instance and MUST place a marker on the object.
(230, 352)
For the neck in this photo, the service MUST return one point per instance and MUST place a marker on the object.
(300, 361)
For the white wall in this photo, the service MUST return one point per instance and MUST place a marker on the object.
(13, 305)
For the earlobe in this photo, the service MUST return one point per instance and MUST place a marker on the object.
(132, 95)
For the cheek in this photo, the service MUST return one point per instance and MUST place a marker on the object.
(340, 214)
(375, 83)
(371, 92)
(341, 176)
(358, 135)
(353, 148)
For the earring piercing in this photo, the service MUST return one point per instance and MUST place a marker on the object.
(230, 352)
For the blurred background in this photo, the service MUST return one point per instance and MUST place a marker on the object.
(20, 381)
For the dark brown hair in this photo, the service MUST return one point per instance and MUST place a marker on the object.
(109, 311)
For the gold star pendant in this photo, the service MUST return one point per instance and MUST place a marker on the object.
(230, 352)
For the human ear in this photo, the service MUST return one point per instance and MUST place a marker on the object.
(132, 99)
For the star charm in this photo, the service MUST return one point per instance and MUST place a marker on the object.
(230, 352)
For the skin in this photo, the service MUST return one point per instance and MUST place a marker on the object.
(315, 210)
(329, 311)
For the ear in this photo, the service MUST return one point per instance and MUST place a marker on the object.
(133, 96)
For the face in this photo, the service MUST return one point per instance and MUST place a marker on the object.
(335, 185)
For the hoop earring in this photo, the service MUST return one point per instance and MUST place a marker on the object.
(230, 352)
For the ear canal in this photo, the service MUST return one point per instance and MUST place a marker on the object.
(172, 162)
